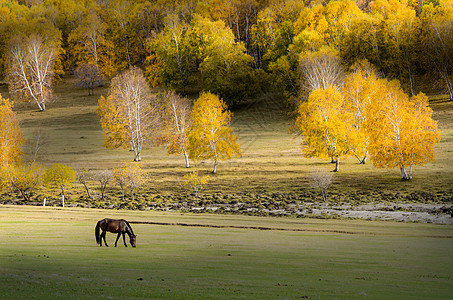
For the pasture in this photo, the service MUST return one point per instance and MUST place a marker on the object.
(51, 253)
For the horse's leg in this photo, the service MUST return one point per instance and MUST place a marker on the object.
(117, 237)
(100, 238)
(104, 233)
(124, 239)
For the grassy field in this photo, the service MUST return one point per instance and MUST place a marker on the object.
(271, 162)
(51, 253)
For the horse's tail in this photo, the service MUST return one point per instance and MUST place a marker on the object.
(129, 226)
(97, 233)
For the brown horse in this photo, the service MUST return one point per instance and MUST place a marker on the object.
(115, 226)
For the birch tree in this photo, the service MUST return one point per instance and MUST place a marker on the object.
(177, 122)
(321, 69)
(59, 175)
(129, 115)
(325, 121)
(30, 72)
(402, 132)
(211, 136)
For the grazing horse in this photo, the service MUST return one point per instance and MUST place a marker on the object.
(115, 226)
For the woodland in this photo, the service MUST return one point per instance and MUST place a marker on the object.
(354, 76)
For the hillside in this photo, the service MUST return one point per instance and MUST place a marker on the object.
(272, 167)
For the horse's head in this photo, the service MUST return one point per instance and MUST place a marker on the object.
(133, 240)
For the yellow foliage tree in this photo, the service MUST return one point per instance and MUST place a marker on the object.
(401, 130)
(358, 91)
(59, 175)
(90, 46)
(210, 134)
(129, 175)
(177, 122)
(23, 178)
(195, 181)
(325, 122)
(11, 137)
(128, 115)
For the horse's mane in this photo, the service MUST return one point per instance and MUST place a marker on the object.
(129, 226)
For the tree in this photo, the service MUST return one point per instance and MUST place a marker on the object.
(89, 46)
(225, 65)
(359, 90)
(321, 69)
(104, 177)
(210, 134)
(402, 132)
(36, 145)
(438, 37)
(129, 175)
(11, 136)
(59, 175)
(88, 76)
(30, 72)
(24, 178)
(173, 49)
(324, 121)
(322, 180)
(195, 181)
(129, 115)
(177, 121)
(83, 176)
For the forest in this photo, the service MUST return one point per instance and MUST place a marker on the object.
(354, 75)
(237, 48)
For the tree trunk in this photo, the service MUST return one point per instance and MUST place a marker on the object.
(215, 167)
(363, 160)
(88, 191)
(186, 157)
(62, 196)
(404, 175)
(137, 156)
(337, 164)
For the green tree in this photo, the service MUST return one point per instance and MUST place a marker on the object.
(172, 47)
(225, 65)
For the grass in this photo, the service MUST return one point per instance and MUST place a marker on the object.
(51, 253)
(272, 160)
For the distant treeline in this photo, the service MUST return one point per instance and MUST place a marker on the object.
(237, 48)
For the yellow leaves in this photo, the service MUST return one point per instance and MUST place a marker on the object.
(195, 181)
(324, 122)
(24, 178)
(129, 174)
(59, 175)
(369, 115)
(402, 132)
(115, 127)
(210, 134)
(11, 136)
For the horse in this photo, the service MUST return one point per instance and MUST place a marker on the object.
(114, 226)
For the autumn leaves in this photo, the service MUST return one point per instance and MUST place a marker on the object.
(132, 117)
(368, 116)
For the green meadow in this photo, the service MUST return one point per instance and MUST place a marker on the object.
(51, 253)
